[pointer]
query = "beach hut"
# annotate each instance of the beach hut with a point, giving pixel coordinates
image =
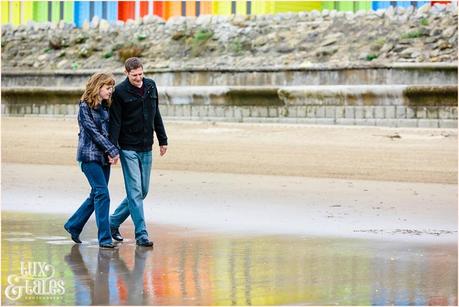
(126, 10)
(415, 4)
(174, 8)
(222, 7)
(86, 10)
(295, 6)
(349, 6)
(203, 8)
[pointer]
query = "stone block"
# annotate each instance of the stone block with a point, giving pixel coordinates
(273, 112)
(301, 111)
(410, 113)
(389, 112)
(187, 110)
(349, 112)
(330, 111)
(445, 113)
(379, 112)
(245, 111)
(50, 109)
(251, 120)
(194, 111)
(359, 112)
(259, 111)
(178, 110)
(320, 112)
(311, 111)
(70, 110)
(261, 120)
(163, 109)
(432, 112)
(238, 113)
(203, 111)
(339, 112)
(172, 110)
(219, 111)
(289, 111)
(400, 112)
(365, 122)
(369, 112)
(307, 121)
(62, 109)
(325, 121)
(448, 123)
(281, 111)
(421, 112)
(427, 123)
(289, 120)
(211, 112)
(345, 121)
(409, 123)
(229, 112)
(386, 122)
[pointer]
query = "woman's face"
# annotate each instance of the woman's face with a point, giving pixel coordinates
(105, 91)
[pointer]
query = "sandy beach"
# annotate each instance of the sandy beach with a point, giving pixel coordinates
(245, 214)
(345, 152)
(275, 179)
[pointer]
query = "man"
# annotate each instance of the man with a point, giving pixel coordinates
(134, 117)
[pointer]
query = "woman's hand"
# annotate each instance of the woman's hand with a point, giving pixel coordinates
(113, 160)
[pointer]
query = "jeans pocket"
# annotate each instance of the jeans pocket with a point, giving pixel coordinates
(128, 154)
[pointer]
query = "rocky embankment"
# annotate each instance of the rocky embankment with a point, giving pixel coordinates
(290, 40)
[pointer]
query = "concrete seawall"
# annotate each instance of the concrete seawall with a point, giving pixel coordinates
(401, 95)
(385, 105)
(404, 73)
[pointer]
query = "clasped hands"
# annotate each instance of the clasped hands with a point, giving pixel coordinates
(113, 160)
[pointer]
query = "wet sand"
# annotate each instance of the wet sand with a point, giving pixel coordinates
(254, 204)
(188, 268)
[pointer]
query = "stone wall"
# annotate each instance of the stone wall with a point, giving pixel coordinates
(292, 40)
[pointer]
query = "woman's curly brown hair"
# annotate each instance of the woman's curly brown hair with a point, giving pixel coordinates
(93, 86)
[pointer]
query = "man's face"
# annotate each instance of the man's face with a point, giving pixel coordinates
(135, 76)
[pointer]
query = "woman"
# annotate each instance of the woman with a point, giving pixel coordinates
(96, 153)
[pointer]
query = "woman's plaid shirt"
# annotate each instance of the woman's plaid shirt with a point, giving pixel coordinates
(93, 142)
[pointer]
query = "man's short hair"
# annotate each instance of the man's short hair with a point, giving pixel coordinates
(132, 63)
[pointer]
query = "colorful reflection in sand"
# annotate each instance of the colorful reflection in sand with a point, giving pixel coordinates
(187, 268)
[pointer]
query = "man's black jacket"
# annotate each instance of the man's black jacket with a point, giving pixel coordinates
(134, 118)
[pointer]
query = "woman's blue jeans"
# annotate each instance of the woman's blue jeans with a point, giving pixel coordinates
(136, 172)
(98, 201)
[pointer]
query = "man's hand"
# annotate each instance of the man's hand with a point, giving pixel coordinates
(113, 160)
(162, 150)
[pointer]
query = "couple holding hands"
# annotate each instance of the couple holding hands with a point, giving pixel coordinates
(117, 123)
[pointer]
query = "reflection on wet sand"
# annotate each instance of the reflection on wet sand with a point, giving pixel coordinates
(208, 269)
(111, 273)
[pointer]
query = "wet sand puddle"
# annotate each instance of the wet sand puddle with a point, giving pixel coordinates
(41, 266)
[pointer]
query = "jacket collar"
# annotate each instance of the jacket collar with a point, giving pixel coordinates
(131, 88)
